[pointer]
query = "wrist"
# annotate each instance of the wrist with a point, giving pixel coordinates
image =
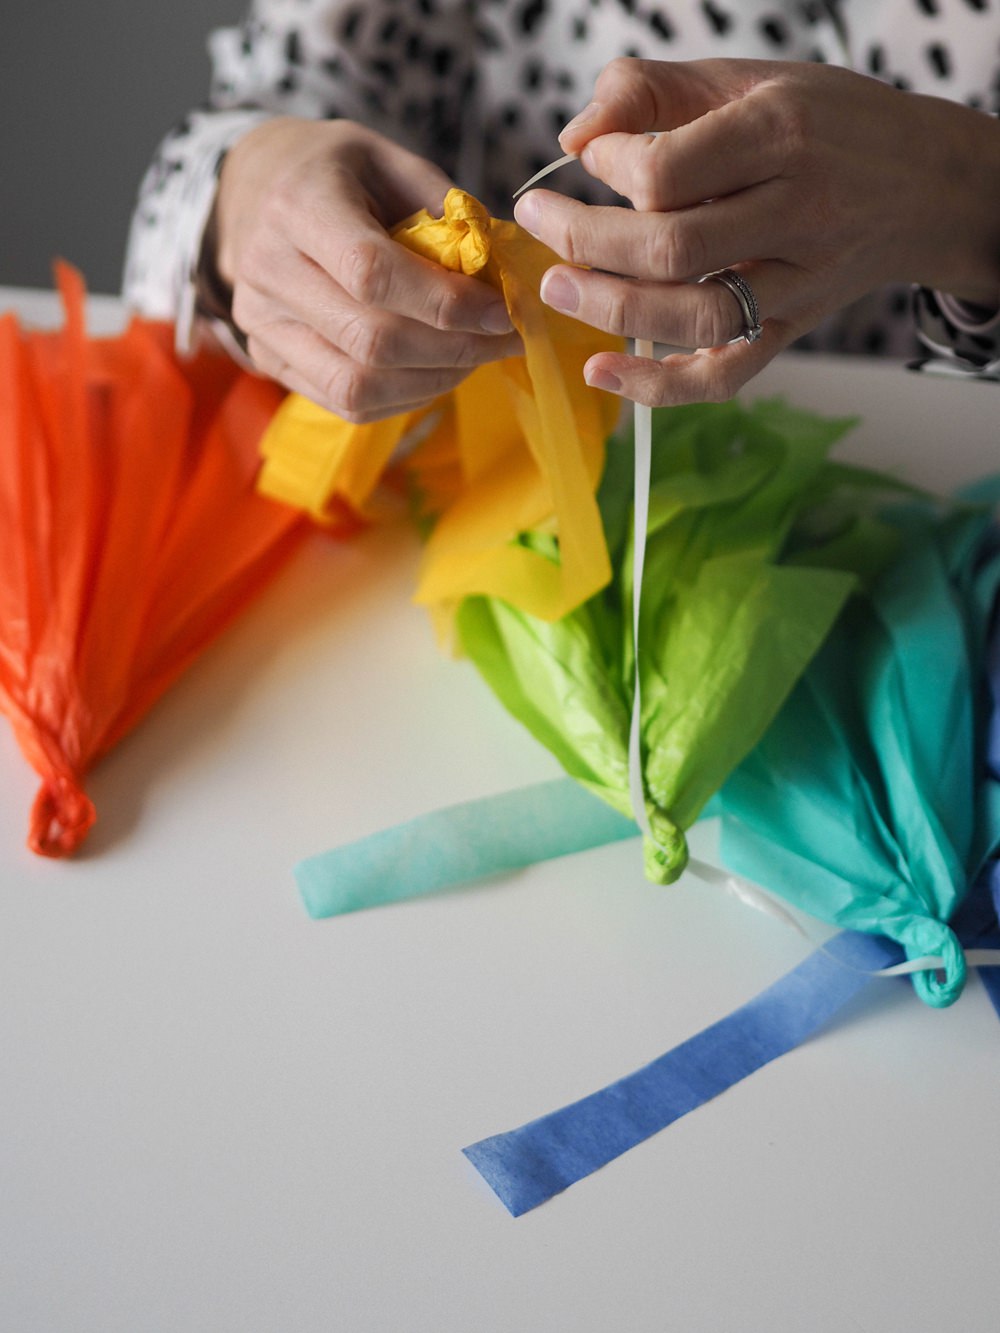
(960, 219)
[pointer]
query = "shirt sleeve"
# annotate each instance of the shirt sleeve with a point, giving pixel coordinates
(958, 339)
(387, 64)
(175, 199)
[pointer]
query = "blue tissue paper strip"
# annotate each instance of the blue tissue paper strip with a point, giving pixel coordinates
(990, 977)
(458, 845)
(977, 925)
(527, 1166)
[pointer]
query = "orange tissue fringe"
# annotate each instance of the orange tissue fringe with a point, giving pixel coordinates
(131, 533)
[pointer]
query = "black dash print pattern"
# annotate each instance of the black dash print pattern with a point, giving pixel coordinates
(939, 59)
(718, 20)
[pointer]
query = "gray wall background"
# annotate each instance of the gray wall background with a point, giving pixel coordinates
(87, 90)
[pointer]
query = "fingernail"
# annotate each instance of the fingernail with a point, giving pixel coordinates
(560, 291)
(601, 379)
(528, 213)
(581, 118)
(495, 319)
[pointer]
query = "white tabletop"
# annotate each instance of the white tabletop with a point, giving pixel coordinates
(217, 1116)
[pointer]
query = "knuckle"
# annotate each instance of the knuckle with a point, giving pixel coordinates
(655, 391)
(565, 235)
(365, 340)
(366, 272)
(715, 321)
(627, 79)
(660, 395)
(795, 128)
(787, 122)
(619, 69)
(722, 382)
(251, 261)
(282, 200)
(675, 252)
(620, 313)
(355, 418)
(476, 351)
(346, 389)
(268, 224)
(650, 191)
(463, 353)
(444, 309)
(616, 76)
(569, 243)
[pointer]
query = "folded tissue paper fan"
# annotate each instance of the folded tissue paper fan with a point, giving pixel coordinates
(130, 534)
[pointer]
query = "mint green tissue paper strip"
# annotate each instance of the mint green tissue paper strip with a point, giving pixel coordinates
(458, 845)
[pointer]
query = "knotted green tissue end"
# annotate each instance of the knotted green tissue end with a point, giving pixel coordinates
(665, 855)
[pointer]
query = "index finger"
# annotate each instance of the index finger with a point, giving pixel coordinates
(659, 247)
(721, 152)
(639, 96)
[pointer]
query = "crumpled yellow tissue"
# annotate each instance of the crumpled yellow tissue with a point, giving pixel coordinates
(517, 447)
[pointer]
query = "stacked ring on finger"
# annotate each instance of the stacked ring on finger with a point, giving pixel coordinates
(744, 294)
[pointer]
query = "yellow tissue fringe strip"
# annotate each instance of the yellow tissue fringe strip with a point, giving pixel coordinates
(518, 446)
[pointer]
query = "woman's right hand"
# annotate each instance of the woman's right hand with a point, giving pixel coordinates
(815, 184)
(329, 304)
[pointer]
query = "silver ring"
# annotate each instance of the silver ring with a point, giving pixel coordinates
(743, 292)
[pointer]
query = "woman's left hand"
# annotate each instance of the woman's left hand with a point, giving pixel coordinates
(814, 184)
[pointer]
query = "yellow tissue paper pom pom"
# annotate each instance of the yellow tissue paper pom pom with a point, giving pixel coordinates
(517, 447)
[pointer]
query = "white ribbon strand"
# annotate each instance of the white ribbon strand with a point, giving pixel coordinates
(643, 418)
(540, 175)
